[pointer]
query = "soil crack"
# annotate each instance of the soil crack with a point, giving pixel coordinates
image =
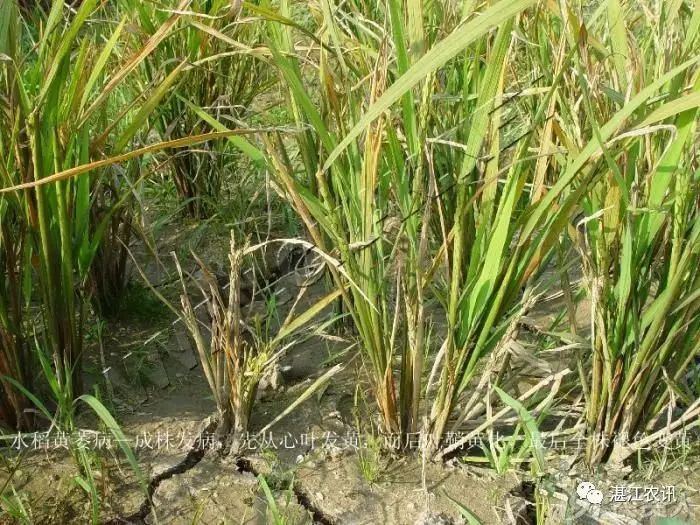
(193, 457)
(303, 499)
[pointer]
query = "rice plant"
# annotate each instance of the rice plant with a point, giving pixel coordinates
(370, 201)
(223, 74)
(58, 87)
(432, 177)
(234, 355)
(639, 236)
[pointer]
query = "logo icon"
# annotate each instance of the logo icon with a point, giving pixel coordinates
(586, 490)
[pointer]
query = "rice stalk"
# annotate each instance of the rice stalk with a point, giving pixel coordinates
(640, 239)
(224, 73)
(234, 355)
(58, 86)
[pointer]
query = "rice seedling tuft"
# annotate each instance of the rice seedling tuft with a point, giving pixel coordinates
(235, 355)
